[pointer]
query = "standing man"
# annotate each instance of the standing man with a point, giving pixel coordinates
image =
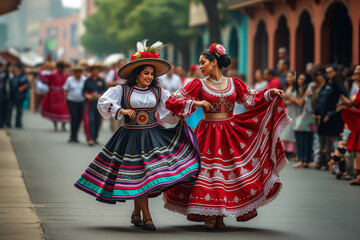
(18, 89)
(283, 67)
(94, 87)
(75, 100)
(170, 81)
(4, 96)
(273, 81)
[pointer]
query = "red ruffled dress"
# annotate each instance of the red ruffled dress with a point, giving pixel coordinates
(241, 155)
(352, 119)
(54, 104)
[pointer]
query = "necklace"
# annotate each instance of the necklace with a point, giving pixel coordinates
(218, 83)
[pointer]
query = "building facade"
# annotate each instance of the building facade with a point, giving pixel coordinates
(319, 31)
(60, 38)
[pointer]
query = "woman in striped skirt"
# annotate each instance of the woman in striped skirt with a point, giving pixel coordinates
(143, 158)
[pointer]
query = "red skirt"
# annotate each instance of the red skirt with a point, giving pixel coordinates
(241, 158)
(54, 106)
(352, 120)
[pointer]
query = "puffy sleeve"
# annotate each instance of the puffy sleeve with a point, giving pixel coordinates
(249, 97)
(166, 117)
(45, 77)
(109, 104)
(181, 101)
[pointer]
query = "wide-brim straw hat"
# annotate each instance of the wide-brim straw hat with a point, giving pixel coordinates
(95, 65)
(161, 67)
(83, 62)
(76, 68)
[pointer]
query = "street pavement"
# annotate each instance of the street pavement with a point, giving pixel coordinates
(311, 205)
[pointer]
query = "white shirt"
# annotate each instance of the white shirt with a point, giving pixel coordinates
(172, 84)
(109, 104)
(74, 88)
(261, 85)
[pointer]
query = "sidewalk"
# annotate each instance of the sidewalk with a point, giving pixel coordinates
(18, 219)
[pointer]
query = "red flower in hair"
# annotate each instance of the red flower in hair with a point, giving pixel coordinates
(212, 48)
(146, 55)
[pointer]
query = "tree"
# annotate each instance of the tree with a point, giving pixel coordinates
(212, 12)
(120, 24)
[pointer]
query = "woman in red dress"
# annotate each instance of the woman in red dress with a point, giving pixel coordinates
(352, 119)
(54, 104)
(241, 155)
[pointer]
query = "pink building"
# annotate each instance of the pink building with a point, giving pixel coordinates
(60, 38)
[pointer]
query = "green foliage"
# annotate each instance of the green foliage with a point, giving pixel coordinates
(118, 25)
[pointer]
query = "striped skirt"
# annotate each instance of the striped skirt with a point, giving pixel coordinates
(137, 162)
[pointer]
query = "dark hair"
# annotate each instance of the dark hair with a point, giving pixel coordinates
(19, 65)
(222, 61)
(295, 87)
(135, 73)
(307, 81)
(337, 79)
(270, 71)
(286, 61)
(60, 65)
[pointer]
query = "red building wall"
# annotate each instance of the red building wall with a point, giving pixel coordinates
(60, 33)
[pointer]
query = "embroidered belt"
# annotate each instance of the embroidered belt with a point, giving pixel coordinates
(217, 115)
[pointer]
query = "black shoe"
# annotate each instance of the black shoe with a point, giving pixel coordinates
(137, 223)
(150, 227)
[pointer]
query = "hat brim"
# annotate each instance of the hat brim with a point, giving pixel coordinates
(161, 67)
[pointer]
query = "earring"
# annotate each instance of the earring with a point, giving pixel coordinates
(137, 79)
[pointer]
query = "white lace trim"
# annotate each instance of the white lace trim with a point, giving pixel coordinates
(209, 211)
(225, 94)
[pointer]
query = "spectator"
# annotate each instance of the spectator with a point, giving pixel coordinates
(180, 71)
(273, 81)
(18, 89)
(283, 67)
(73, 91)
(304, 122)
(352, 119)
(288, 135)
(194, 73)
(170, 81)
(260, 83)
(283, 53)
(4, 91)
(112, 79)
(94, 87)
(309, 68)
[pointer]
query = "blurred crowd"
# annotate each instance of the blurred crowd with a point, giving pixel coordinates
(321, 135)
(314, 99)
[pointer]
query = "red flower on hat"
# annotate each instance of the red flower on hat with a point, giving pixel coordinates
(133, 57)
(146, 55)
(155, 55)
(212, 48)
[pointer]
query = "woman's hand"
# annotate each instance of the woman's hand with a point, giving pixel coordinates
(276, 92)
(204, 104)
(131, 113)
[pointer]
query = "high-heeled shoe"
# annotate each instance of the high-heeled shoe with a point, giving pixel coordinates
(220, 222)
(210, 222)
(150, 227)
(137, 223)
